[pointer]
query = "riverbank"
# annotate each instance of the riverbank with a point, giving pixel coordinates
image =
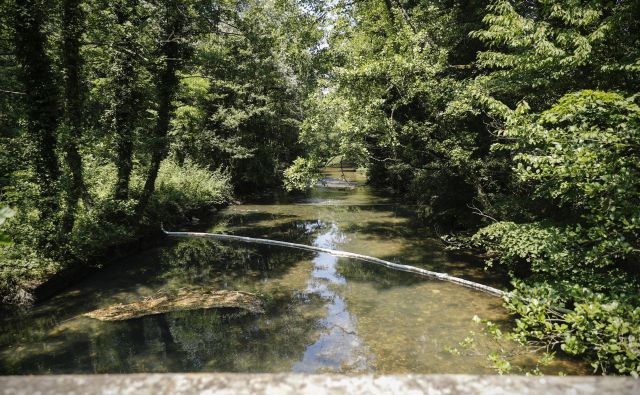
(41, 260)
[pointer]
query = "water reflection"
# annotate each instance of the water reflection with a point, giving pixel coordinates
(339, 348)
(322, 313)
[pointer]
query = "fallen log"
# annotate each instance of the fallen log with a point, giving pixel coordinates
(183, 300)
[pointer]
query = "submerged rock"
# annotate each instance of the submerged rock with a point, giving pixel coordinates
(183, 300)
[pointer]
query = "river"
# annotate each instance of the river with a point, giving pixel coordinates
(323, 313)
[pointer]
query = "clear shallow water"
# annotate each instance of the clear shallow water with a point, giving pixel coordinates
(323, 313)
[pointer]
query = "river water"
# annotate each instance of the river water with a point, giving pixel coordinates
(323, 313)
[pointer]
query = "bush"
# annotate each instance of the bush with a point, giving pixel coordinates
(302, 174)
(544, 251)
(181, 189)
(101, 227)
(582, 155)
(602, 328)
(21, 270)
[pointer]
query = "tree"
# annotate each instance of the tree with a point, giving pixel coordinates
(42, 101)
(173, 50)
(128, 101)
(392, 103)
(72, 28)
(541, 50)
(240, 103)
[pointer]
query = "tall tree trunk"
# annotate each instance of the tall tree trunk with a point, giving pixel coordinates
(125, 107)
(72, 62)
(167, 85)
(42, 101)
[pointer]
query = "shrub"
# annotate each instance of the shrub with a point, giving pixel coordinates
(101, 227)
(181, 189)
(544, 251)
(302, 174)
(583, 155)
(602, 328)
(21, 270)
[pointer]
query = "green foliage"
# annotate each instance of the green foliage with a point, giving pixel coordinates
(577, 162)
(532, 244)
(181, 189)
(582, 156)
(602, 328)
(583, 153)
(302, 174)
(517, 117)
(391, 104)
(22, 269)
(540, 50)
(102, 91)
(105, 225)
(101, 228)
(240, 106)
(451, 106)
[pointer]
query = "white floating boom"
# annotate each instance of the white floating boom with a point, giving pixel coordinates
(345, 254)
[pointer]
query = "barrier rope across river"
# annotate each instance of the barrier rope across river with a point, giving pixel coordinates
(345, 254)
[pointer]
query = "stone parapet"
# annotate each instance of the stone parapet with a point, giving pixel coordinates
(289, 383)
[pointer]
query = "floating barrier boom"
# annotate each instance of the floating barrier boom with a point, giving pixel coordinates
(345, 254)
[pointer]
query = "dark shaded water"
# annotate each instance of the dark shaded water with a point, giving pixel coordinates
(323, 314)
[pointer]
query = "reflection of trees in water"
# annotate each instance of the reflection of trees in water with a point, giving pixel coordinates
(121, 347)
(201, 261)
(207, 340)
(198, 340)
(109, 350)
(194, 340)
(291, 228)
(378, 276)
(214, 341)
(201, 253)
(182, 341)
(192, 332)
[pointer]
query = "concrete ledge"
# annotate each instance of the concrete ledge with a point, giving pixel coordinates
(258, 384)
